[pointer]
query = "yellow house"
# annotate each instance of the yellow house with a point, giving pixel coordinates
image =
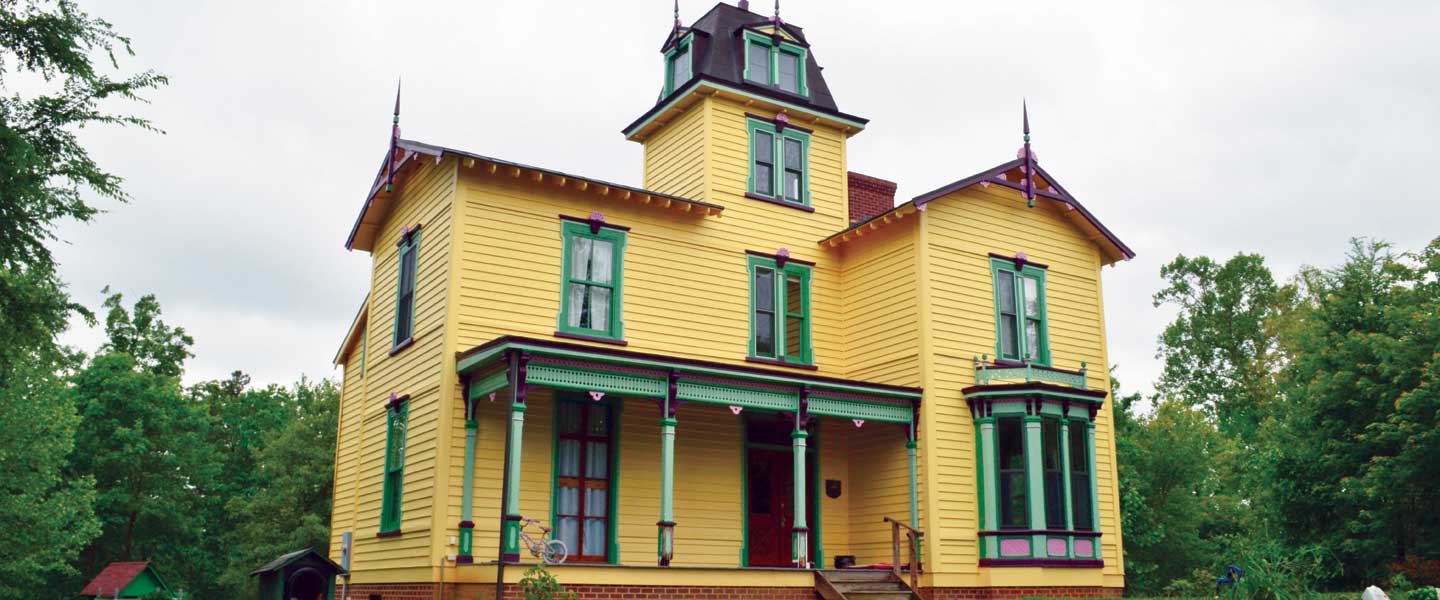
(753, 376)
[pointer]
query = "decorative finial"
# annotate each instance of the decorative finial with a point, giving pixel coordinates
(777, 12)
(394, 142)
(1029, 170)
(743, 5)
(677, 15)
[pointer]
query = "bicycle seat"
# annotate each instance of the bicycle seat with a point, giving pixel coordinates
(544, 529)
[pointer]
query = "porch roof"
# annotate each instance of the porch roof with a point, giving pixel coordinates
(579, 367)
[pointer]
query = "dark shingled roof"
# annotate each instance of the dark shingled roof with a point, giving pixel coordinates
(285, 559)
(719, 53)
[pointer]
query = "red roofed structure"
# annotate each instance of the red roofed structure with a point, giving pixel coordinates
(124, 580)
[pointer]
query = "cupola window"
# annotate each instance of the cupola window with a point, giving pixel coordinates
(679, 65)
(779, 163)
(774, 62)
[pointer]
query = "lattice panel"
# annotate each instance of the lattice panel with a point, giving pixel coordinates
(599, 381)
(988, 375)
(748, 398)
(855, 409)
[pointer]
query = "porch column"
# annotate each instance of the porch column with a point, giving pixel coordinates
(989, 486)
(1094, 478)
(800, 541)
(1035, 477)
(511, 546)
(1065, 467)
(467, 525)
(910, 448)
(667, 475)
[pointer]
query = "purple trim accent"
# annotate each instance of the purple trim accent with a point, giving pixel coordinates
(680, 362)
(405, 343)
(467, 525)
(591, 220)
(388, 534)
(396, 401)
(1085, 546)
(776, 257)
(590, 338)
(780, 363)
(1086, 534)
(1020, 261)
(776, 122)
(464, 559)
(802, 413)
(782, 256)
(793, 205)
(1015, 547)
(406, 234)
(510, 557)
(1042, 562)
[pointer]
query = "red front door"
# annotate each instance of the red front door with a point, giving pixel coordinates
(771, 496)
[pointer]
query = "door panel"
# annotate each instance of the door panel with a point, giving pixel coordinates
(770, 501)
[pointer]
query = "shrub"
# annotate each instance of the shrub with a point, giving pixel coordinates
(1425, 593)
(539, 584)
(1418, 570)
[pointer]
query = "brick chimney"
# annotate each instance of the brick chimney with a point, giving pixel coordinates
(869, 196)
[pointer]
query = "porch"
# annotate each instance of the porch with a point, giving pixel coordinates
(642, 460)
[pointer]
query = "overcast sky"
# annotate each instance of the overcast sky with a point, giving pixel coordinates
(1282, 128)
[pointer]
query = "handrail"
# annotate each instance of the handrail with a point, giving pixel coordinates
(912, 535)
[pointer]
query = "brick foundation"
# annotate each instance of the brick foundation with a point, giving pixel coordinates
(420, 591)
(1009, 593)
(431, 591)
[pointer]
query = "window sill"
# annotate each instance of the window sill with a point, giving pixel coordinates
(1077, 533)
(802, 207)
(388, 534)
(780, 363)
(590, 338)
(1070, 563)
(405, 343)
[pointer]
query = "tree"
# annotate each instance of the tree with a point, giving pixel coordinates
(43, 170)
(144, 443)
(1354, 462)
(296, 469)
(1219, 352)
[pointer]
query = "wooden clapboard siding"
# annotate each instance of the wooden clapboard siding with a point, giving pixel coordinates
(708, 487)
(347, 445)
(675, 156)
(418, 371)
(960, 232)
(879, 291)
(836, 513)
(879, 488)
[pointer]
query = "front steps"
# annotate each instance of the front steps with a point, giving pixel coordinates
(861, 584)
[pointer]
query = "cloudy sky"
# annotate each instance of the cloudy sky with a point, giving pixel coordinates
(1282, 128)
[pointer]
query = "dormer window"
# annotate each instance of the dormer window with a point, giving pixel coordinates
(772, 61)
(679, 65)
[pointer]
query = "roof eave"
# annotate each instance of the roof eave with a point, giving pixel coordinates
(846, 122)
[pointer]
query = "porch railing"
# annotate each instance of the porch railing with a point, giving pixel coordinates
(912, 536)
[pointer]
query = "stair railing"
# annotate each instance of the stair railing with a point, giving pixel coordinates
(912, 536)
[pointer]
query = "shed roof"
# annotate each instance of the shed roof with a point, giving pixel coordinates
(287, 559)
(113, 578)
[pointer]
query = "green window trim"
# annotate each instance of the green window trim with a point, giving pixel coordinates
(396, 421)
(1076, 486)
(784, 283)
(407, 266)
(682, 50)
(768, 44)
(614, 327)
(612, 547)
(1012, 288)
(779, 165)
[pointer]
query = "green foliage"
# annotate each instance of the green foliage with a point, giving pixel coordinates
(295, 469)
(539, 584)
(1426, 593)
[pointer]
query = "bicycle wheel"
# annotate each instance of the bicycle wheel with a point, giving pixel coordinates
(555, 552)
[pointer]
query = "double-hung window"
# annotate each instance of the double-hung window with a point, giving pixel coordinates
(392, 489)
(780, 311)
(1080, 491)
(779, 163)
(1020, 324)
(679, 65)
(583, 450)
(1014, 510)
(590, 299)
(408, 254)
(775, 62)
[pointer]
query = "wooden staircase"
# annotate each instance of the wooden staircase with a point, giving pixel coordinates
(861, 584)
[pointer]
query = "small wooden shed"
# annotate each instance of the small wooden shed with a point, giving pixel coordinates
(125, 580)
(300, 575)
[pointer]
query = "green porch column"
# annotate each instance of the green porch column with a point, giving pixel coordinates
(1094, 478)
(467, 525)
(989, 494)
(1065, 469)
(511, 545)
(800, 541)
(667, 490)
(1035, 481)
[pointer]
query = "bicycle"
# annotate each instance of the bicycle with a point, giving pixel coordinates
(552, 551)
